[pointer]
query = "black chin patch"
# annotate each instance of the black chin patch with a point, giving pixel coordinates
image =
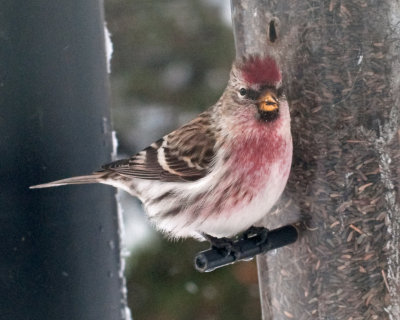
(269, 116)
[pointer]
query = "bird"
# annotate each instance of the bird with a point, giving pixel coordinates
(218, 175)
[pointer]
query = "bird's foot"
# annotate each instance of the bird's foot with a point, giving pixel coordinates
(260, 232)
(225, 245)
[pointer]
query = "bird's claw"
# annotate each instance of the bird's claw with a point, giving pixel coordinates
(229, 246)
(225, 245)
(260, 232)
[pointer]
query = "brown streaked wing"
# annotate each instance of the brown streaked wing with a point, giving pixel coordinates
(188, 153)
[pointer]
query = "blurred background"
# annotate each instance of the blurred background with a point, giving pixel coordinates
(171, 60)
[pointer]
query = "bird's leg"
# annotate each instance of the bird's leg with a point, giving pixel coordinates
(224, 244)
(253, 231)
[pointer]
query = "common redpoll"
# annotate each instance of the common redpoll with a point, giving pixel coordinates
(220, 173)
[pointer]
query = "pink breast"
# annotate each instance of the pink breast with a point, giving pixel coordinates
(259, 147)
(249, 168)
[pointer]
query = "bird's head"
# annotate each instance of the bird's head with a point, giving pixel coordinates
(255, 88)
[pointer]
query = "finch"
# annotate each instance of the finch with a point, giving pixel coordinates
(222, 172)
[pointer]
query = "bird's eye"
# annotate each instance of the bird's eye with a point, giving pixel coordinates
(242, 91)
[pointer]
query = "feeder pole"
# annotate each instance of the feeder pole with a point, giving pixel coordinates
(341, 67)
(59, 247)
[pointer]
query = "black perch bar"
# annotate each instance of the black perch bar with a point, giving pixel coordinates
(244, 249)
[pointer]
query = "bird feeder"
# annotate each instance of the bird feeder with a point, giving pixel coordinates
(341, 66)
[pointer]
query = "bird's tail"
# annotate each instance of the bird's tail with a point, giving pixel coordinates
(96, 177)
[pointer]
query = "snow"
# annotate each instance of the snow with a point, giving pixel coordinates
(108, 46)
(125, 311)
(114, 145)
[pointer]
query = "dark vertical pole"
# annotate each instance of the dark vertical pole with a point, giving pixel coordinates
(341, 67)
(59, 248)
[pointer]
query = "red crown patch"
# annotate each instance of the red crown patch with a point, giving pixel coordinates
(260, 70)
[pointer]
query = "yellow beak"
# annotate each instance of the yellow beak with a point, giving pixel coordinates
(268, 102)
